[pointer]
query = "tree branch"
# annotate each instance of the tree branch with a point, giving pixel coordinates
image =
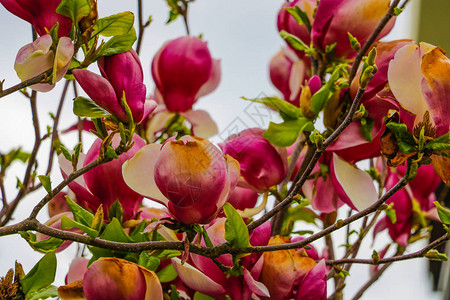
(26, 83)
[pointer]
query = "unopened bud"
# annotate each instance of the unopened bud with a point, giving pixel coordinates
(371, 57)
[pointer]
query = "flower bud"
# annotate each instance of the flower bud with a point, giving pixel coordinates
(121, 76)
(190, 176)
(37, 57)
(183, 71)
(262, 164)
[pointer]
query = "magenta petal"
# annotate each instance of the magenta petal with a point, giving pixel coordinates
(77, 268)
(314, 285)
(256, 287)
(106, 181)
(280, 71)
(321, 195)
(182, 67)
(124, 72)
(213, 81)
(243, 198)
(22, 9)
(101, 91)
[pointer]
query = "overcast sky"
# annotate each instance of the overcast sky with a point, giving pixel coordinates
(244, 36)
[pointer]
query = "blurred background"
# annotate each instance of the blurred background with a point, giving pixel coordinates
(244, 36)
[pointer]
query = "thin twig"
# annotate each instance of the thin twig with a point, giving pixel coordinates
(26, 83)
(141, 27)
(371, 39)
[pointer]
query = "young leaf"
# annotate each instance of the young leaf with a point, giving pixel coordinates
(294, 41)
(118, 24)
(46, 183)
(114, 232)
(236, 233)
(80, 214)
(286, 133)
(200, 296)
(44, 246)
(74, 9)
(50, 291)
(167, 274)
(287, 109)
(405, 140)
(321, 97)
(444, 214)
(111, 153)
(97, 223)
(41, 275)
(116, 211)
(118, 44)
(149, 262)
(68, 223)
(439, 143)
(84, 107)
(300, 16)
(366, 128)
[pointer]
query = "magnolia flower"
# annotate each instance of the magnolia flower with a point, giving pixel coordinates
(203, 275)
(189, 176)
(183, 71)
(262, 164)
(242, 198)
(293, 274)
(40, 13)
(122, 76)
(334, 19)
(104, 184)
(37, 57)
(111, 278)
(419, 78)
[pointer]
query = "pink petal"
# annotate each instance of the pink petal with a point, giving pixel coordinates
(202, 124)
(101, 91)
(196, 280)
(354, 186)
(256, 287)
(139, 172)
(280, 71)
(63, 56)
(314, 285)
(213, 81)
(77, 268)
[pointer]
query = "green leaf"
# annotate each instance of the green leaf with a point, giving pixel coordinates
(68, 223)
(80, 214)
(354, 42)
(434, 254)
(149, 262)
(439, 143)
(391, 214)
(118, 44)
(50, 291)
(114, 232)
(405, 140)
(41, 275)
(366, 128)
(111, 153)
(236, 233)
(46, 183)
(444, 214)
(300, 16)
(84, 107)
(288, 110)
(118, 24)
(74, 9)
(200, 296)
(60, 148)
(397, 11)
(116, 211)
(286, 133)
(48, 245)
(294, 41)
(321, 97)
(173, 15)
(167, 274)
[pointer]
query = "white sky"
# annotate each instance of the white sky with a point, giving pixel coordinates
(244, 36)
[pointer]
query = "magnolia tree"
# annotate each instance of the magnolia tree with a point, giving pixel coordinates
(233, 215)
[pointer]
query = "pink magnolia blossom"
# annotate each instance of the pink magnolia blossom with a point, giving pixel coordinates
(287, 22)
(37, 57)
(104, 184)
(189, 176)
(121, 76)
(262, 164)
(242, 198)
(183, 71)
(203, 275)
(293, 274)
(419, 77)
(111, 278)
(40, 13)
(335, 18)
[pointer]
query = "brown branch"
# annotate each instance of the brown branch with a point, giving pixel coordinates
(26, 83)
(141, 27)
(371, 39)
